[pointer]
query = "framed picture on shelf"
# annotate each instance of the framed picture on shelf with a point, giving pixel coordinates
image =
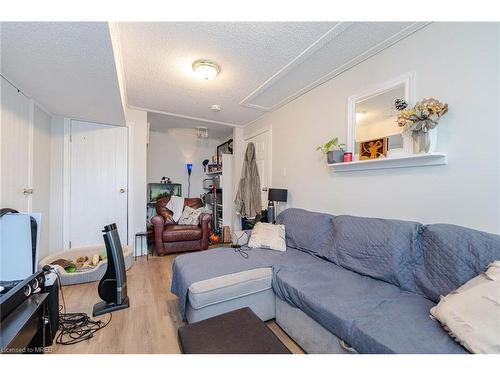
(224, 148)
(376, 148)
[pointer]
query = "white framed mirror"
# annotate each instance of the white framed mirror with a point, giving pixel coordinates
(372, 118)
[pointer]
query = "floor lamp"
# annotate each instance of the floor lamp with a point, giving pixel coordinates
(189, 169)
(275, 195)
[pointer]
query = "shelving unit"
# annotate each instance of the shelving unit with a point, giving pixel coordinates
(412, 160)
(223, 199)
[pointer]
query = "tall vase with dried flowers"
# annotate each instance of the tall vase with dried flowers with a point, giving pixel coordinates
(420, 120)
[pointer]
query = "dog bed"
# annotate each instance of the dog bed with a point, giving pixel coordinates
(86, 276)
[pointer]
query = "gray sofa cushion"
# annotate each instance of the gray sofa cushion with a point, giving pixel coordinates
(331, 295)
(311, 232)
(370, 315)
(380, 248)
(452, 255)
(402, 325)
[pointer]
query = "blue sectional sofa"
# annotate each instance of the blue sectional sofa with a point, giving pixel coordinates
(345, 284)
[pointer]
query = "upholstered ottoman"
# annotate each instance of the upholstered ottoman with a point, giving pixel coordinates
(233, 291)
(236, 332)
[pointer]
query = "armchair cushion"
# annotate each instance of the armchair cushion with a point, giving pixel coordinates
(174, 233)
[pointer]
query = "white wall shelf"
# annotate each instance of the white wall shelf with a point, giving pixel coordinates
(413, 160)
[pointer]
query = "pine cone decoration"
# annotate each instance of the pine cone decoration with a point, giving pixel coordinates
(400, 104)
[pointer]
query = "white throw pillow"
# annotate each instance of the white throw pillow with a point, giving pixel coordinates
(268, 236)
(190, 216)
(471, 314)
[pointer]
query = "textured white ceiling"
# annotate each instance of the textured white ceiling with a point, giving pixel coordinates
(353, 43)
(68, 67)
(264, 65)
(157, 60)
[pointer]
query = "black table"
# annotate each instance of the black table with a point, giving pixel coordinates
(143, 237)
(236, 332)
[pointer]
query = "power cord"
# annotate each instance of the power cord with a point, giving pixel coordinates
(75, 327)
(242, 250)
(78, 327)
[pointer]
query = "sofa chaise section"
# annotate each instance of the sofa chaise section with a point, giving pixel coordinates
(215, 296)
(212, 274)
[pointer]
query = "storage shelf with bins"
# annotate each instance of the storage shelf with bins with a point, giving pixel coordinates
(411, 160)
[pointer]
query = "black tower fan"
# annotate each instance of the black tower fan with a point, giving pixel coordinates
(113, 286)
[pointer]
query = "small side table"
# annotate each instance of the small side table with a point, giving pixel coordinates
(143, 238)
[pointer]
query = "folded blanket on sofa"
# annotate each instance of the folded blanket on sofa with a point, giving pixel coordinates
(176, 205)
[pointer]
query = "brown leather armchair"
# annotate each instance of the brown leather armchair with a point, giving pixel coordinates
(173, 238)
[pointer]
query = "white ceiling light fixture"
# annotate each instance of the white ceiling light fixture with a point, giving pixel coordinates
(206, 69)
(202, 132)
(216, 107)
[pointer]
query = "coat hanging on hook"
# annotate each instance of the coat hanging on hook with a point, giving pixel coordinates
(248, 201)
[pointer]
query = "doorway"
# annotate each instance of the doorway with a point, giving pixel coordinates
(97, 182)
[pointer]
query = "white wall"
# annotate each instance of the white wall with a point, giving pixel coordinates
(137, 155)
(457, 63)
(238, 154)
(56, 184)
(170, 151)
(41, 174)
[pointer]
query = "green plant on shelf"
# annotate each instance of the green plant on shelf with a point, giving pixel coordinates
(331, 145)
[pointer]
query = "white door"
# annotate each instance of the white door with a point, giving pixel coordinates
(98, 182)
(263, 159)
(15, 155)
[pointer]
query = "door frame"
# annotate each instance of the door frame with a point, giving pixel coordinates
(66, 190)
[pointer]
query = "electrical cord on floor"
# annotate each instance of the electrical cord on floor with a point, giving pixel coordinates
(76, 327)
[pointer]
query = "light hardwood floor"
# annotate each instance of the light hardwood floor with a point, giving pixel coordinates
(150, 324)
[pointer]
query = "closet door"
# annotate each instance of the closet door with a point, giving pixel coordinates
(98, 182)
(15, 153)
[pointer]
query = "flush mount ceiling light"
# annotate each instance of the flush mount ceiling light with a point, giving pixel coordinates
(206, 69)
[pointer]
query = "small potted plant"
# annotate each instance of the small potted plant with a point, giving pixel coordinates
(333, 150)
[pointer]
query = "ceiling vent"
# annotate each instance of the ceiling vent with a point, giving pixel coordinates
(202, 132)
